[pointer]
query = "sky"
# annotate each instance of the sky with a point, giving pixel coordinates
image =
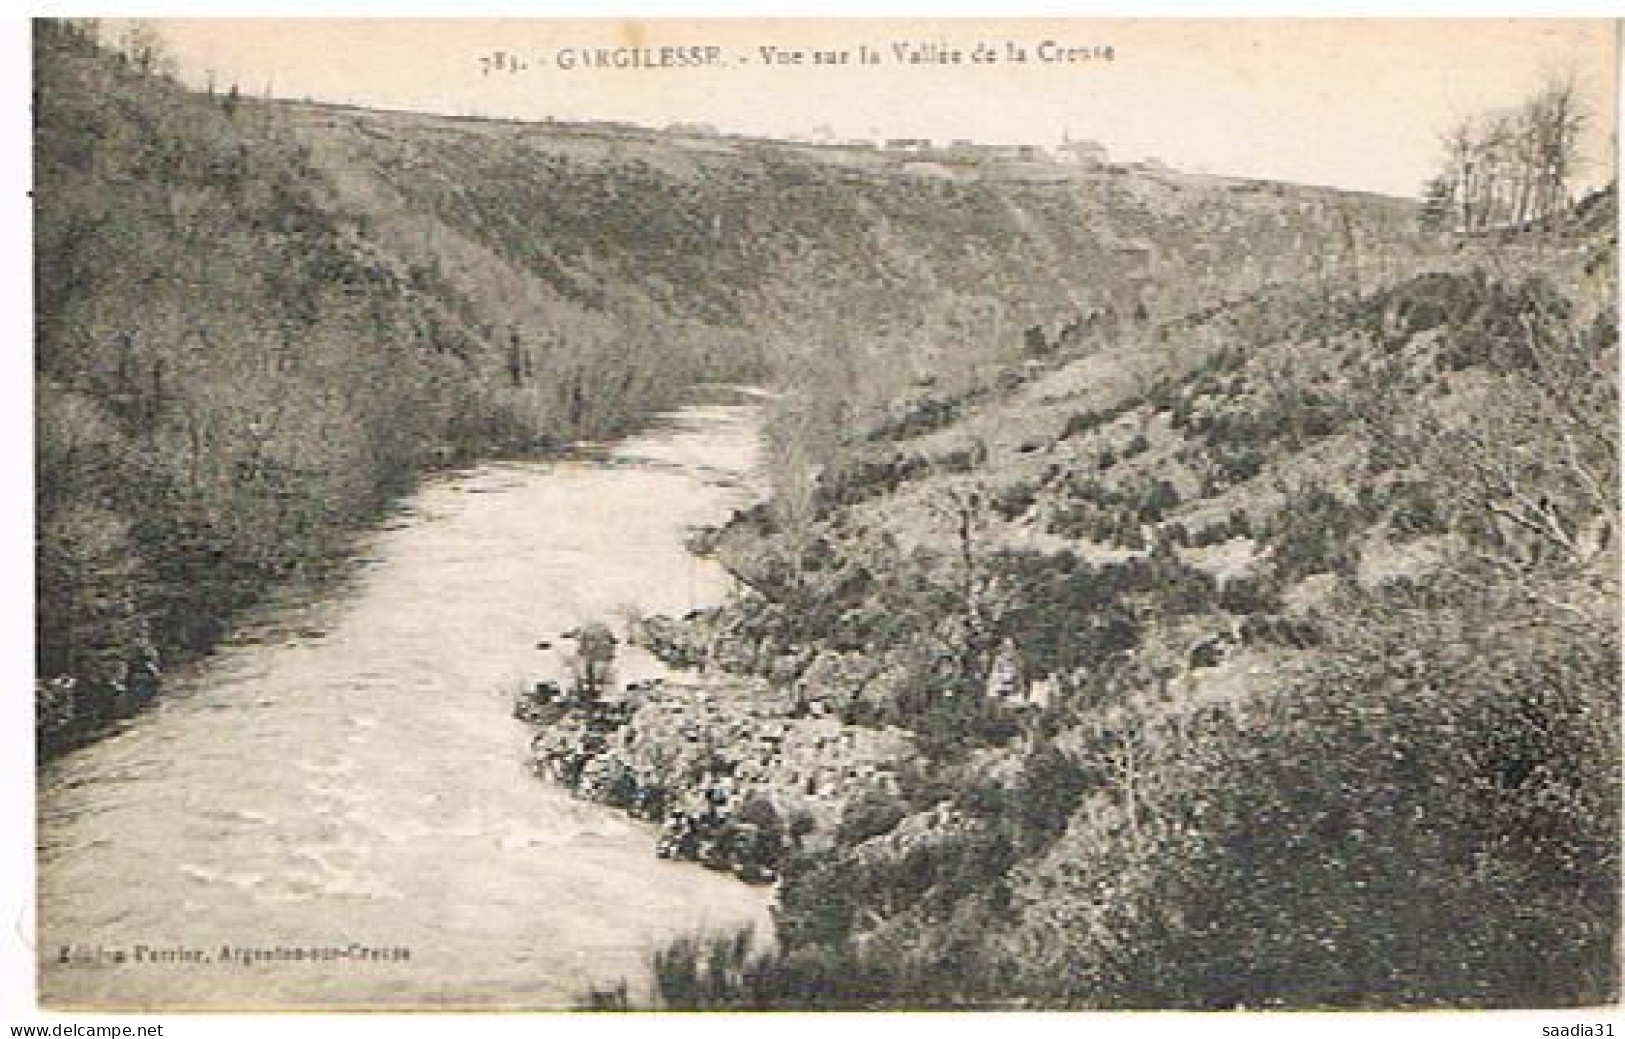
(1352, 103)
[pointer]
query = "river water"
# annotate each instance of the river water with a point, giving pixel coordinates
(347, 775)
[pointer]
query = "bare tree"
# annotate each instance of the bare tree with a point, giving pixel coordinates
(143, 47)
(966, 511)
(1461, 152)
(1515, 167)
(1556, 117)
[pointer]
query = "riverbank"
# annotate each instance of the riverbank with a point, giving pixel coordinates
(71, 714)
(360, 781)
(739, 775)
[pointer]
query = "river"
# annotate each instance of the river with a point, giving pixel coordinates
(346, 775)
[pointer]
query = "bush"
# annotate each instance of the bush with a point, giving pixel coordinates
(1312, 533)
(917, 419)
(720, 972)
(1430, 819)
(1013, 500)
(1248, 595)
(1415, 511)
(873, 812)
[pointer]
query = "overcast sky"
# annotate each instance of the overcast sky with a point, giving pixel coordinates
(1353, 103)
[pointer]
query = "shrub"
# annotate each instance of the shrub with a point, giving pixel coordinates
(873, 812)
(1247, 595)
(1415, 511)
(1435, 824)
(1428, 819)
(1312, 533)
(1013, 500)
(709, 973)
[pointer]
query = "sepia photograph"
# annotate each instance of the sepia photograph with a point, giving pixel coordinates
(824, 514)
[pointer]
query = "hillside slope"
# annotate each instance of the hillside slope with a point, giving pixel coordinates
(1268, 658)
(862, 267)
(259, 321)
(732, 230)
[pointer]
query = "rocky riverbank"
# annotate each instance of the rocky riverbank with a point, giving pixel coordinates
(738, 774)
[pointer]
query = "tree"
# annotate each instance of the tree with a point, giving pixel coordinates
(592, 664)
(1438, 204)
(143, 47)
(965, 511)
(1555, 118)
(1513, 167)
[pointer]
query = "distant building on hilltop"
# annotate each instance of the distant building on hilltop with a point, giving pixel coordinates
(962, 148)
(1083, 153)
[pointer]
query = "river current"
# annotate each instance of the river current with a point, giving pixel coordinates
(345, 777)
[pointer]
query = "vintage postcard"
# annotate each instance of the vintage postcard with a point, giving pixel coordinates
(844, 514)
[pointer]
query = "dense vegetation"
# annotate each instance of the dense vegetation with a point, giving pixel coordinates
(236, 369)
(1336, 727)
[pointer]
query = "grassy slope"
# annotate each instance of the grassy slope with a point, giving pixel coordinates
(1393, 784)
